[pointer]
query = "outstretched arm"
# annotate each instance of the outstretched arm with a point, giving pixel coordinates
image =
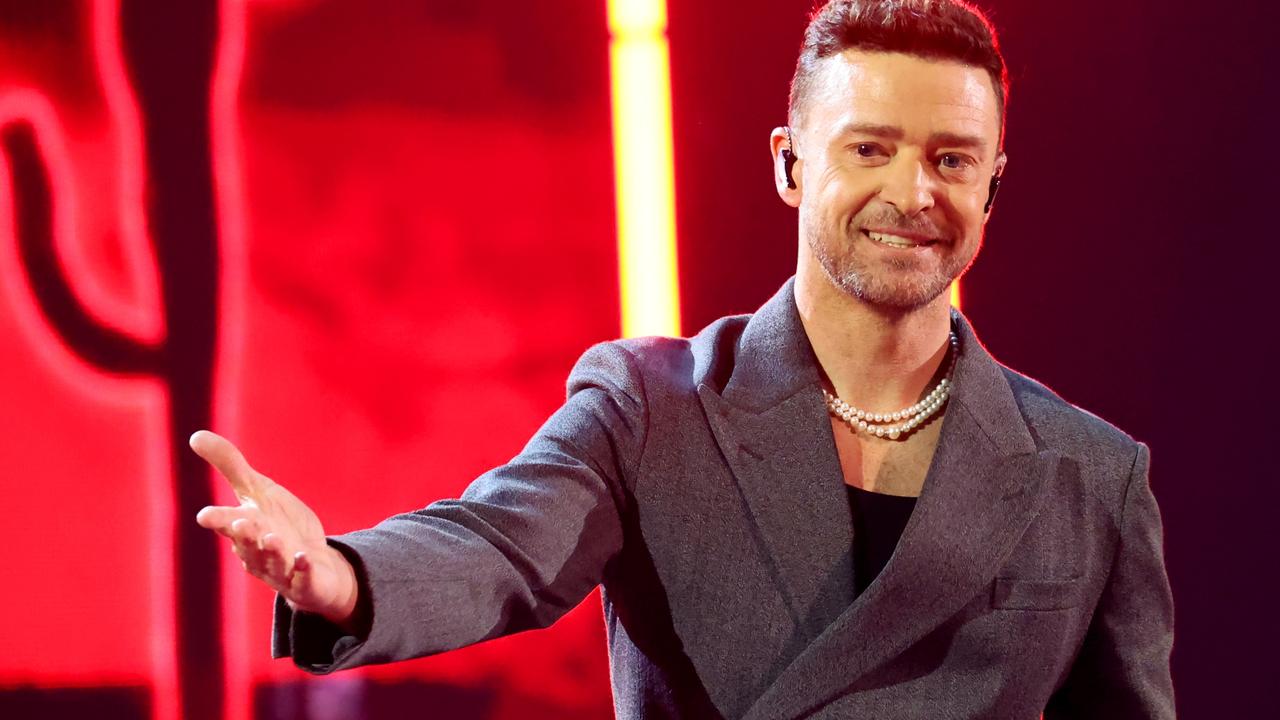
(521, 547)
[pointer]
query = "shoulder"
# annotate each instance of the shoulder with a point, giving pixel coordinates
(1096, 446)
(662, 366)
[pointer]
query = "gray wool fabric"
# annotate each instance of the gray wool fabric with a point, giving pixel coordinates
(697, 481)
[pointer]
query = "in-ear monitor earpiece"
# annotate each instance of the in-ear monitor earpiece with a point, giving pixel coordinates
(789, 161)
(991, 193)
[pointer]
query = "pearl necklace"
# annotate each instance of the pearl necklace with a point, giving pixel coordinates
(915, 416)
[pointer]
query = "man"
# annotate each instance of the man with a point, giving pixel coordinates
(840, 506)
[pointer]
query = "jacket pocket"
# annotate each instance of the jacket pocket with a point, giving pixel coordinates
(1016, 594)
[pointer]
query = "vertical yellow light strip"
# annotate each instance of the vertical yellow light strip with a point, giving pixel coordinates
(955, 294)
(644, 171)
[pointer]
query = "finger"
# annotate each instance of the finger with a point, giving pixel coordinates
(271, 565)
(268, 565)
(247, 531)
(271, 543)
(219, 518)
(226, 458)
(273, 558)
(300, 574)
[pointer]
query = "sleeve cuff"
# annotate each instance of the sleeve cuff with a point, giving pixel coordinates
(315, 644)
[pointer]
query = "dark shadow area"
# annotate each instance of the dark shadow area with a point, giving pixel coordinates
(100, 703)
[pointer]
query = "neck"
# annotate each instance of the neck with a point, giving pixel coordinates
(878, 359)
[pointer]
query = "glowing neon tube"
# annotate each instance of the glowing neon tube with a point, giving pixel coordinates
(640, 87)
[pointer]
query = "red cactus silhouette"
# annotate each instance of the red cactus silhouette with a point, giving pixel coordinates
(168, 52)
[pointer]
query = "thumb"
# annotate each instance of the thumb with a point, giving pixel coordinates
(226, 458)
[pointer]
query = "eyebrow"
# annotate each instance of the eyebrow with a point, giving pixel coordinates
(891, 132)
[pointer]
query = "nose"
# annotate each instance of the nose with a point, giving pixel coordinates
(908, 186)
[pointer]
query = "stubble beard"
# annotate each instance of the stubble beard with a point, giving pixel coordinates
(892, 284)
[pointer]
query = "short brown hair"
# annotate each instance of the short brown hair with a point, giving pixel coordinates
(930, 29)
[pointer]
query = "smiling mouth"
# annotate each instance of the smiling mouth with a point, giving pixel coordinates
(897, 241)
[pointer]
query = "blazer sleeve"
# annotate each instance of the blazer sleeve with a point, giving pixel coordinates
(524, 544)
(1122, 670)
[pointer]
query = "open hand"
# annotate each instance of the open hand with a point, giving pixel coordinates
(278, 538)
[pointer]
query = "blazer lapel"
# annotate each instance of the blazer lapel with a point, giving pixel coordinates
(772, 428)
(981, 492)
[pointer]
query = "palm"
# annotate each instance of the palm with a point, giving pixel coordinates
(277, 537)
(289, 517)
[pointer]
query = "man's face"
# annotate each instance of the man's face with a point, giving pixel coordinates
(897, 153)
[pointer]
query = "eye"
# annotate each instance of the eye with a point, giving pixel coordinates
(955, 161)
(867, 150)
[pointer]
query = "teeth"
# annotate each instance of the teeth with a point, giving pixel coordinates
(893, 240)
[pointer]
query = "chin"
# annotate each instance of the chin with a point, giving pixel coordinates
(898, 294)
(903, 301)
(899, 284)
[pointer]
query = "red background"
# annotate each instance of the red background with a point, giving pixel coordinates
(425, 245)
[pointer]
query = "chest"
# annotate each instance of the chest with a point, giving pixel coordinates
(894, 467)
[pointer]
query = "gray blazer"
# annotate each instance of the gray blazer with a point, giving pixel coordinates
(697, 481)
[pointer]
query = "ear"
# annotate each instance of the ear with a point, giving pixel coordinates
(778, 142)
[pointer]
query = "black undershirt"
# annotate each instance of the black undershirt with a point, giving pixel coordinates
(878, 522)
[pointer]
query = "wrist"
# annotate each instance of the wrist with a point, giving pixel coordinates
(346, 611)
